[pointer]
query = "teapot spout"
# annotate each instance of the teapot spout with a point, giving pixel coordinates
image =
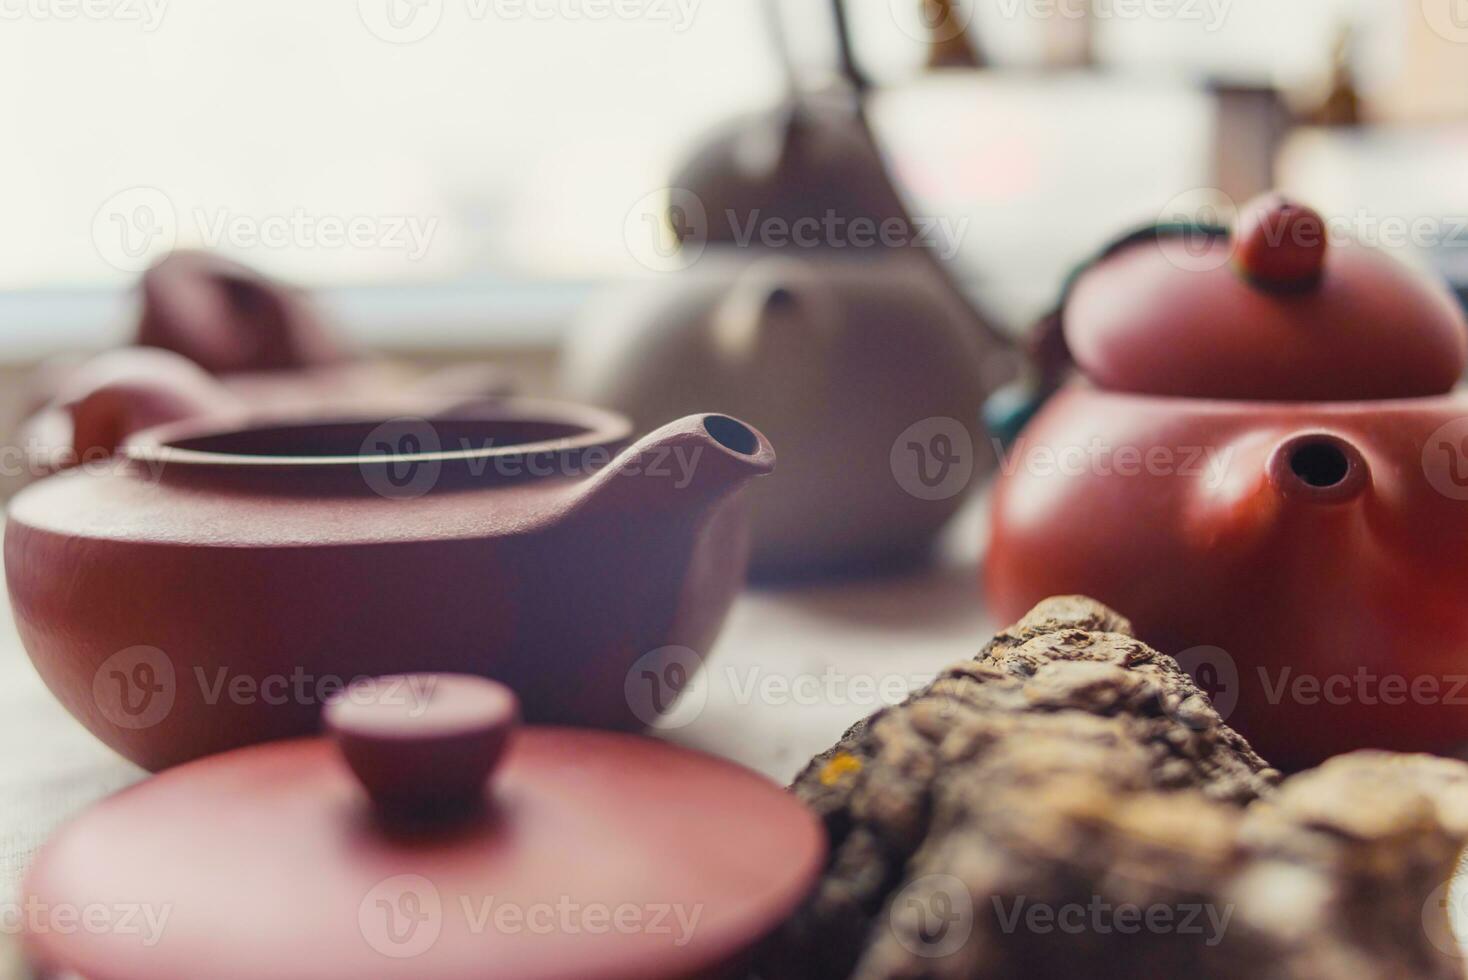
(681, 469)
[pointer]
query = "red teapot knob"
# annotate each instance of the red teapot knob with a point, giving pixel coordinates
(1280, 244)
(424, 745)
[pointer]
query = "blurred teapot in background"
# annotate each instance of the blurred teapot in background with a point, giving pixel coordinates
(849, 346)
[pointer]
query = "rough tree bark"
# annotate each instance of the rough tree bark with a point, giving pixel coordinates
(1068, 804)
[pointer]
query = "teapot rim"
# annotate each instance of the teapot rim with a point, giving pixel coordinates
(178, 442)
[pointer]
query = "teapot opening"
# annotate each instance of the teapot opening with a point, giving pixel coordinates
(732, 434)
(512, 427)
(404, 437)
(1320, 464)
(1320, 467)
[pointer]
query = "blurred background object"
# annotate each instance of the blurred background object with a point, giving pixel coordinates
(462, 183)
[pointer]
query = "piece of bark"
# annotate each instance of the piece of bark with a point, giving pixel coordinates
(1007, 820)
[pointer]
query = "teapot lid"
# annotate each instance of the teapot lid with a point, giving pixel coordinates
(591, 854)
(1277, 310)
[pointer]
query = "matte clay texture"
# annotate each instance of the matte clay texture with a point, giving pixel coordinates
(272, 863)
(1071, 765)
(242, 561)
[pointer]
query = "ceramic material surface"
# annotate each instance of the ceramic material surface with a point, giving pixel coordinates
(1300, 555)
(223, 337)
(589, 855)
(209, 588)
(836, 358)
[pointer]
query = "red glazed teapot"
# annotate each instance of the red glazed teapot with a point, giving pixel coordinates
(1263, 461)
(212, 585)
(437, 839)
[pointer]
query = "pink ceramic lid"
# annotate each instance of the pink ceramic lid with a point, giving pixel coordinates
(587, 855)
(1282, 309)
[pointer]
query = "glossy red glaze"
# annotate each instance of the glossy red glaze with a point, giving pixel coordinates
(178, 602)
(423, 743)
(1174, 316)
(595, 856)
(1280, 244)
(1314, 541)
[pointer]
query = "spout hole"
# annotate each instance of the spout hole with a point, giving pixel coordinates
(731, 434)
(1319, 467)
(1320, 464)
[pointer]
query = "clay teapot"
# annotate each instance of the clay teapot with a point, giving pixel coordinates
(430, 837)
(843, 361)
(201, 592)
(1261, 459)
(228, 336)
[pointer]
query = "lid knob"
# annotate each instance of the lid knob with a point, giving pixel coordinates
(1280, 244)
(424, 745)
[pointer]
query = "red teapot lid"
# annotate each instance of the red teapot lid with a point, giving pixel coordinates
(1277, 310)
(383, 852)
